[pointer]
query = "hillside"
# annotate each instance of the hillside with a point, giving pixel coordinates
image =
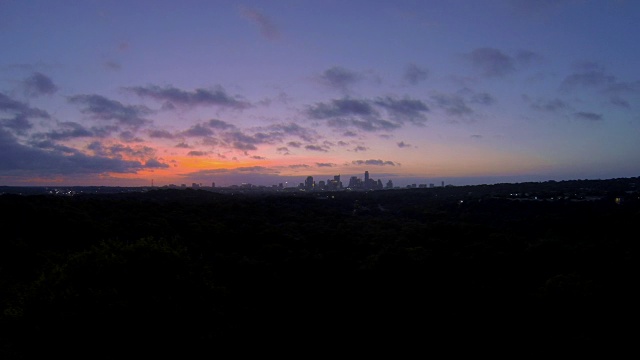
(196, 272)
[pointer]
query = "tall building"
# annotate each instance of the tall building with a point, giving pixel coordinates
(308, 184)
(354, 182)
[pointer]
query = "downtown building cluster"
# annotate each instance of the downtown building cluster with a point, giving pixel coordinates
(355, 183)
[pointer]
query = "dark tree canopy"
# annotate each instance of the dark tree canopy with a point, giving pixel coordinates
(189, 272)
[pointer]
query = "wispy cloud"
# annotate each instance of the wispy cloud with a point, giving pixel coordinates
(267, 27)
(374, 162)
(414, 74)
(492, 62)
(553, 105)
(588, 116)
(588, 75)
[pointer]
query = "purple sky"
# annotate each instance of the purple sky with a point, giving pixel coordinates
(121, 93)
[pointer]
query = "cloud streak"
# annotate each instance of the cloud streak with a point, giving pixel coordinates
(174, 97)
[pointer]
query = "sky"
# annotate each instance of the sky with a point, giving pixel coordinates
(139, 93)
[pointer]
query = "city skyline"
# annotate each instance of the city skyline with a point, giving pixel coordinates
(130, 93)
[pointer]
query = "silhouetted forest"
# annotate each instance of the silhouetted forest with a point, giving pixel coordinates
(194, 272)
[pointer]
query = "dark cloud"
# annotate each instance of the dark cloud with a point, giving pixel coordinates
(176, 97)
(129, 136)
(112, 65)
(369, 125)
(19, 114)
(414, 74)
(553, 105)
(588, 116)
(160, 134)
(39, 84)
(267, 28)
(527, 57)
(339, 78)
(99, 107)
(360, 114)
(328, 165)
(69, 130)
(373, 162)
(360, 148)
(402, 144)
(365, 114)
(18, 160)
(491, 62)
(583, 66)
(246, 140)
(240, 141)
(210, 141)
(20, 109)
(342, 108)
(589, 78)
(198, 130)
(483, 98)
(19, 123)
(120, 150)
(299, 166)
(452, 104)
(137, 151)
(624, 88)
(104, 131)
(316, 148)
(292, 129)
(219, 124)
(155, 164)
(253, 169)
(51, 145)
(196, 153)
(8, 104)
(404, 109)
(618, 101)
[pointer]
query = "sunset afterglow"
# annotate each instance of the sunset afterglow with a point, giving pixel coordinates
(126, 93)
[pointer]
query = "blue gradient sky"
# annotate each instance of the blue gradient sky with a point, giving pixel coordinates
(119, 93)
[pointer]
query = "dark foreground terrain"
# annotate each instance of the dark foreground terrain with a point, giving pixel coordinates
(196, 274)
